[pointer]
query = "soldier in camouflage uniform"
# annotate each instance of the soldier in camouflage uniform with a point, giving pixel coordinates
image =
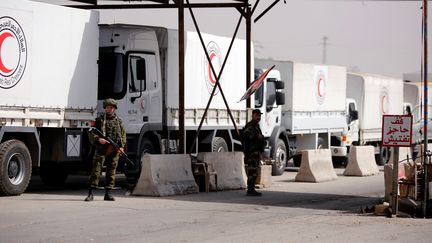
(254, 143)
(111, 126)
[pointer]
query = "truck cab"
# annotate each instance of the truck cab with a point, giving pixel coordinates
(269, 98)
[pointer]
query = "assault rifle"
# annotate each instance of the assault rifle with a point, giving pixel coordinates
(98, 133)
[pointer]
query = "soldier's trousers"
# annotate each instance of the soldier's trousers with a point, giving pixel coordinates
(251, 167)
(111, 161)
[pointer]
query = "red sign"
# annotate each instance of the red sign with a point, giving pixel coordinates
(397, 130)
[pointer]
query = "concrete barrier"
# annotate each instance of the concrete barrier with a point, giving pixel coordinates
(361, 162)
(229, 167)
(316, 166)
(264, 176)
(165, 175)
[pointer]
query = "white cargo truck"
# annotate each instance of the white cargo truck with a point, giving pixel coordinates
(305, 110)
(369, 97)
(57, 64)
(413, 104)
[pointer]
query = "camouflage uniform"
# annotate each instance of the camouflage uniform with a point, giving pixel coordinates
(253, 147)
(111, 126)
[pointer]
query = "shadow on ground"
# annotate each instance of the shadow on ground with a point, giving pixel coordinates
(77, 185)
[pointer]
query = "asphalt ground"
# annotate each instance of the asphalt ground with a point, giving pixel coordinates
(288, 211)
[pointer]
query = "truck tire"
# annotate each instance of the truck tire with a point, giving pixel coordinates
(383, 157)
(132, 175)
(297, 160)
(147, 147)
(280, 158)
(53, 174)
(15, 168)
(219, 145)
(321, 144)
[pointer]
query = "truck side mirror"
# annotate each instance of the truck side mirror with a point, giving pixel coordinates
(408, 110)
(280, 98)
(280, 84)
(354, 115)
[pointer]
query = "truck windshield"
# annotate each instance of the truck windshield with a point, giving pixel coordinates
(111, 83)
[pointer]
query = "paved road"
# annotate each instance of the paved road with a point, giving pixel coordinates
(288, 212)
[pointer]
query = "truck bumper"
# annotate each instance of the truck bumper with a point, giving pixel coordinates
(338, 151)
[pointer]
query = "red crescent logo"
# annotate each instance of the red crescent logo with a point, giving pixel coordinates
(3, 37)
(382, 104)
(319, 87)
(210, 73)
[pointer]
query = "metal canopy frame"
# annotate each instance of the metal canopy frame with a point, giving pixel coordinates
(243, 6)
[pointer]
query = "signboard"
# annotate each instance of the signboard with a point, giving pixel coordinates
(397, 130)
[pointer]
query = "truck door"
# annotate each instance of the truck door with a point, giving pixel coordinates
(144, 100)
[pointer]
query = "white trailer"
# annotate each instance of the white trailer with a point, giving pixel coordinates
(372, 96)
(313, 111)
(57, 64)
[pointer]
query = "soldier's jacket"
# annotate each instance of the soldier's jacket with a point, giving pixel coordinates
(253, 143)
(111, 126)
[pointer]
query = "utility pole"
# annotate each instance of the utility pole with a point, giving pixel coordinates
(426, 159)
(324, 43)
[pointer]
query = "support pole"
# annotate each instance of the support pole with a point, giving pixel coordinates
(181, 110)
(425, 107)
(248, 53)
(395, 179)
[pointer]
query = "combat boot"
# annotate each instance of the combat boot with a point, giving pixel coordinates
(108, 196)
(253, 193)
(89, 196)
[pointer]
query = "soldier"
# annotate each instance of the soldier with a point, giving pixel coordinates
(254, 143)
(111, 126)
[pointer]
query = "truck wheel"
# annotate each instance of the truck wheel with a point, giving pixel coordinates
(297, 160)
(15, 168)
(383, 157)
(219, 145)
(53, 173)
(280, 158)
(132, 175)
(147, 147)
(321, 144)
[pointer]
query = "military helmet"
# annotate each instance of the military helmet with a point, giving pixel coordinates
(111, 102)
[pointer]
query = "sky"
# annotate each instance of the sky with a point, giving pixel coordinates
(380, 37)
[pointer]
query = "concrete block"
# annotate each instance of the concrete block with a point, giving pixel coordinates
(264, 176)
(316, 166)
(229, 167)
(361, 162)
(165, 175)
(381, 209)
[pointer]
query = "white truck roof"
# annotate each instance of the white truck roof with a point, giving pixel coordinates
(61, 55)
(50, 58)
(199, 80)
(375, 95)
(310, 87)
